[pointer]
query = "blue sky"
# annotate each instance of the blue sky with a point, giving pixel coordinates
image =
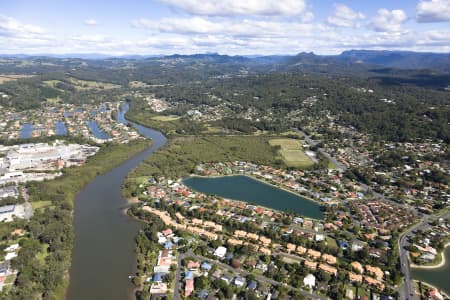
(227, 26)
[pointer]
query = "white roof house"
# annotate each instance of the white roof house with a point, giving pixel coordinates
(220, 252)
(10, 255)
(309, 281)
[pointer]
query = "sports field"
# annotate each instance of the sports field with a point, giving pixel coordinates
(291, 151)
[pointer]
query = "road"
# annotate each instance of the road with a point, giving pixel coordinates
(28, 209)
(244, 273)
(312, 143)
(176, 289)
(408, 290)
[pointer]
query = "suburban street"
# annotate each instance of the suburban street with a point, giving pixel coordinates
(241, 272)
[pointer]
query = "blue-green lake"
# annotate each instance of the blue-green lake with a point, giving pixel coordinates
(255, 192)
(439, 277)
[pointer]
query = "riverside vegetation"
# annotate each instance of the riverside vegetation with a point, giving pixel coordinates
(46, 249)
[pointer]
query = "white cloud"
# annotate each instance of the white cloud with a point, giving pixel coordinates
(11, 27)
(388, 20)
(247, 7)
(344, 16)
(230, 27)
(433, 11)
(90, 22)
(90, 38)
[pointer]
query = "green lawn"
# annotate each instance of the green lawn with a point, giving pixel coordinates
(291, 151)
(40, 204)
(10, 279)
(331, 242)
(165, 118)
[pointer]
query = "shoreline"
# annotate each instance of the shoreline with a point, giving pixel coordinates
(436, 266)
(429, 285)
(263, 182)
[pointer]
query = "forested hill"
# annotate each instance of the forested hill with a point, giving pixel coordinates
(399, 59)
(392, 103)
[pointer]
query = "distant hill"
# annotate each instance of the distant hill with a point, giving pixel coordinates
(399, 59)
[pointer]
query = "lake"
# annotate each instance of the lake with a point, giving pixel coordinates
(253, 191)
(440, 277)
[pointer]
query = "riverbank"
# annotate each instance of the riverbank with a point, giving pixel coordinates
(436, 266)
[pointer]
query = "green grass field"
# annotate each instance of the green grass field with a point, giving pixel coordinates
(40, 204)
(165, 118)
(82, 84)
(137, 84)
(292, 153)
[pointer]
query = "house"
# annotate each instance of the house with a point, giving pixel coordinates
(434, 294)
(10, 255)
(355, 277)
(265, 251)
(12, 248)
(167, 232)
(234, 242)
(374, 282)
(314, 254)
(206, 266)
(264, 240)
(158, 288)
(290, 247)
(375, 271)
(357, 267)
(252, 236)
(320, 237)
(349, 294)
(252, 285)
(226, 278)
(301, 250)
(193, 265)
(343, 244)
(168, 245)
(330, 259)
(240, 233)
(7, 212)
(188, 287)
(164, 258)
(310, 264)
(157, 277)
(9, 191)
(239, 281)
(189, 275)
(328, 269)
(220, 252)
(309, 281)
(203, 294)
(262, 267)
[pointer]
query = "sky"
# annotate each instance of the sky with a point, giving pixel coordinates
(234, 27)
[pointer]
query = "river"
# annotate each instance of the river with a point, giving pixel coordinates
(253, 191)
(103, 255)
